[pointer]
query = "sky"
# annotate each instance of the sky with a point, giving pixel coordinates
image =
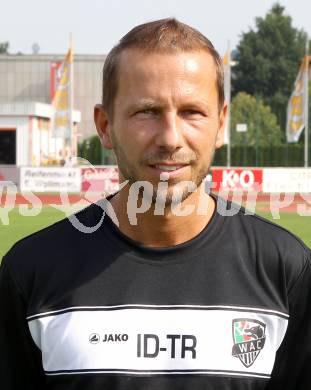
(96, 25)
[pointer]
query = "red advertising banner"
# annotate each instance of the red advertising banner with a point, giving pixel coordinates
(247, 179)
(100, 179)
(54, 77)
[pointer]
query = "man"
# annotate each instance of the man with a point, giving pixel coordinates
(169, 292)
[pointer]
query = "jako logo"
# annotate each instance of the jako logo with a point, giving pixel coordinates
(115, 337)
(94, 338)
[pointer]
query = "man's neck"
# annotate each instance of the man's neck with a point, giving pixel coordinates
(170, 228)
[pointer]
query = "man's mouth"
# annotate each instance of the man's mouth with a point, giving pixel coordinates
(172, 171)
(168, 168)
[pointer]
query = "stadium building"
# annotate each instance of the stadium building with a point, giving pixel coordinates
(26, 90)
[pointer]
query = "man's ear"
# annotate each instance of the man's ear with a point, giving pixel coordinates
(102, 126)
(222, 124)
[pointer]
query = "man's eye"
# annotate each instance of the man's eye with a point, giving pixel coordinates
(192, 113)
(145, 112)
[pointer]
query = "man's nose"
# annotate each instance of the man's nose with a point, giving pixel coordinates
(169, 132)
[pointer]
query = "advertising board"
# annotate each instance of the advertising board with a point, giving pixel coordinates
(48, 179)
(289, 180)
(242, 179)
(100, 179)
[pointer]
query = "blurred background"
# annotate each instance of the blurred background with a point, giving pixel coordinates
(51, 59)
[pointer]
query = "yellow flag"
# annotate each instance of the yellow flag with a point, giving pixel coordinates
(296, 119)
(61, 101)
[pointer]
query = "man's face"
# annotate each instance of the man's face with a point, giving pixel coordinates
(166, 118)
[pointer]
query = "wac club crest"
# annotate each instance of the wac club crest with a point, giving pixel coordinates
(249, 338)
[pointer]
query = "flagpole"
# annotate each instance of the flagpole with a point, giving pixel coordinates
(306, 108)
(227, 90)
(229, 109)
(71, 96)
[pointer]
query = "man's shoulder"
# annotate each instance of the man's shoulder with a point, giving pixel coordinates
(272, 232)
(271, 245)
(253, 224)
(53, 240)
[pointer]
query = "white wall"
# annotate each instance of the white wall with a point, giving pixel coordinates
(22, 137)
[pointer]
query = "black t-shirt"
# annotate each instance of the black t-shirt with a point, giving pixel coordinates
(229, 309)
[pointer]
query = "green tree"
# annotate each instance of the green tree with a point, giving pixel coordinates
(4, 47)
(263, 129)
(92, 150)
(268, 60)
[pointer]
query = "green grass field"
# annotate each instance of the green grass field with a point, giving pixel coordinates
(21, 226)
